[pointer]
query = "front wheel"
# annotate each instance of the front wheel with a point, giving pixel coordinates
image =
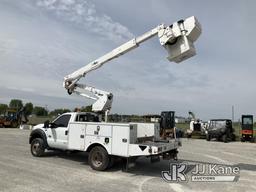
(37, 147)
(98, 158)
(14, 124)
(225, 138)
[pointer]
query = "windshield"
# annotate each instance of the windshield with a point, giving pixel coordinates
(218, 124)
(247, 120)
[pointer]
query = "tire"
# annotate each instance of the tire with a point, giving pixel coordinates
(14, 124)
(208, 137)
(225, 138)
(37, 147)
(98, 158)
(233, 137)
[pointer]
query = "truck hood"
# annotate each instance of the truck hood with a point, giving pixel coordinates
(38, 126)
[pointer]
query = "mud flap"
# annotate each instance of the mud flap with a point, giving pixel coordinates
(128, 163)
(173, 154)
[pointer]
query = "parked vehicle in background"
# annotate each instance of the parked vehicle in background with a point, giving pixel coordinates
(13, 118)
(167, 124)
(247, 128)
(196, 127)
(221, 130)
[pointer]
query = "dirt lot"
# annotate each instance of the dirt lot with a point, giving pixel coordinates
(19, 171)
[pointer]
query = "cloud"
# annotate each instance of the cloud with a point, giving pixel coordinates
(38, 99)
(83, 13)
(41, 41)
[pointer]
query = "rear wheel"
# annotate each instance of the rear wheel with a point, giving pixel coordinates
(225, 138)
(14, 124)
(208, 137)
(98, 158)
(37, 147)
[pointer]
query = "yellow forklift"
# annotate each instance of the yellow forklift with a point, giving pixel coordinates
(167, 126)
(13, 118)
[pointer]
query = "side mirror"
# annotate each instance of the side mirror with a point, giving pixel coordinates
(46, 124)
(53, 125)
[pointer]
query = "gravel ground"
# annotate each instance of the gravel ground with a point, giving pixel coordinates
(59, 171)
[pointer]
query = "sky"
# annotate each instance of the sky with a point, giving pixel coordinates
(41, 41)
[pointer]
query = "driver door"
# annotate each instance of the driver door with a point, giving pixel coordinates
(57, 134)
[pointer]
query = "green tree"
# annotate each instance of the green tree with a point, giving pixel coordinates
(87, 108)
(40, 111)
(29, 108)
(56, 112)
(3, 108)
(16, 103)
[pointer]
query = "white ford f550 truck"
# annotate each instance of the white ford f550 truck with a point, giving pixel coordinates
(79, 131)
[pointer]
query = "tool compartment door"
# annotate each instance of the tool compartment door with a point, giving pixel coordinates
(120, 140)
(76, 136)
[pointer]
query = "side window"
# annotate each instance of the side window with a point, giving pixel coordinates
(211, 125)
(247, 120)
(87, 118)
(93, 118)
(62, 121)
(81, 118)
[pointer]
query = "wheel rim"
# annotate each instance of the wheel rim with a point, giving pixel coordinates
(97, 159)
(35, 148)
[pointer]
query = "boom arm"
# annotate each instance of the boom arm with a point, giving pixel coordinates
(177, 39)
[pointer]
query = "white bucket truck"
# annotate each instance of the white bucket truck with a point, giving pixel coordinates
(80, 131)
(103, 141)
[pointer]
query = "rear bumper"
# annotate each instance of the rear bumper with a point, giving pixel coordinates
(156, 148)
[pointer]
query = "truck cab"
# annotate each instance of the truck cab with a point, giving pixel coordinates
(56, 132)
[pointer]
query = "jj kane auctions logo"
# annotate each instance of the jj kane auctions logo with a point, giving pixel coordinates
(201, 173)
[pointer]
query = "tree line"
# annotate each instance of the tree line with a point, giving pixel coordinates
(38, 110)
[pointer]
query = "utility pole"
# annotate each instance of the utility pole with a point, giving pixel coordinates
(233, 113)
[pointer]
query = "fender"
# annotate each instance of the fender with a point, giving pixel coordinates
(89, 148)
(38, 133)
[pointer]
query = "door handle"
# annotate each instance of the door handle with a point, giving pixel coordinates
(66, 132)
